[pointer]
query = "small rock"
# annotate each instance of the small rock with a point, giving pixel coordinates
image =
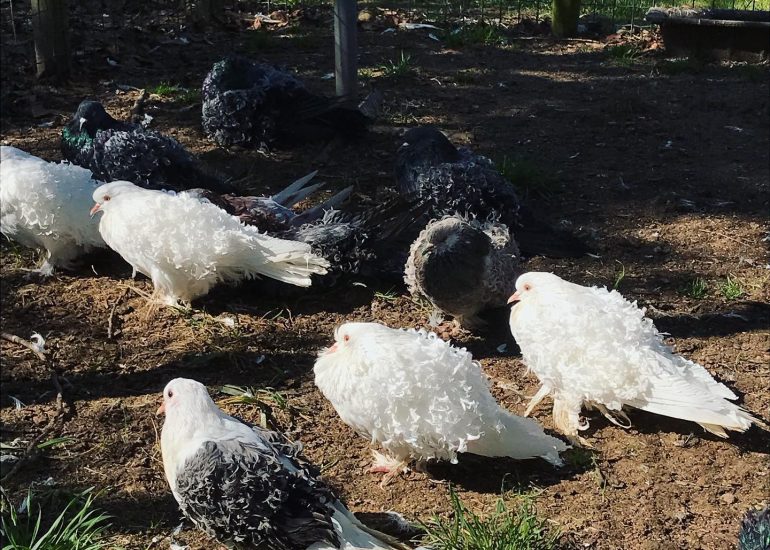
(728, 498)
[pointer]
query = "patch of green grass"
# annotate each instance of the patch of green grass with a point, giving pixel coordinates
(731, 288)
(624, 54)
(79, 526)
(475, 34)
(175, 91)
(389, 296)
(688, 65)
(512, 526)
(399, 67)
(696, 289)
(165, 89)
(527, 177)
(580, 458)
(260, 40)
(266, 399)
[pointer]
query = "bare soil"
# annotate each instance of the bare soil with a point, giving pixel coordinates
(662, 166)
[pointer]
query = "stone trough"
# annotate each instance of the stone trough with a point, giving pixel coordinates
(741, 35)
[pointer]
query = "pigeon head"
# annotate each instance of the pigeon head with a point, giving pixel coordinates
(185, 398)
(190, 412)
(352, 337)
(533, 284)
(108, 191)
(91, 117)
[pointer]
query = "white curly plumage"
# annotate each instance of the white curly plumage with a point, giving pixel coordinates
(589, 345)
(419, 397)
(45, 205)
(186, 246)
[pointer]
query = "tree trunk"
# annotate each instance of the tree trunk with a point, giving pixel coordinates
(50, 25)
(564, 17)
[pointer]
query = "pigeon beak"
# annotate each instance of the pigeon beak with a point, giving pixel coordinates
(95, 208)
(82, 121)
(515, 297)
(333, 348)
(161, 410)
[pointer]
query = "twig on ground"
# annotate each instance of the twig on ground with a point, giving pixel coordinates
(112, 312)
(26, 343)
(32, 449)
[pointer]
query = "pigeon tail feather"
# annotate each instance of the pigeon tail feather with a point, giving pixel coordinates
(519, 438)
(678, 399)
(354, 535)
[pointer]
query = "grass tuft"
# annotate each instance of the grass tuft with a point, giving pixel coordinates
(505, 529)
(399, 67)
(731, 288)
(624, 54)
(266, 399)
(527, 177)
(696, 289)
(472, 35)
(79, 526)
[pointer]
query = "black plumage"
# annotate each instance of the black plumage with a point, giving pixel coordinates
(115, 150)
(755, 530)
(286, 506)
(371, 242)
(451, 180)
(254, 104)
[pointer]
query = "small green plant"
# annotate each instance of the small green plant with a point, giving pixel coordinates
(731, 288)
(505, 529)
(165, 89)
(399, 67)
(527, 177)
(624, 54)
(619, 276)
(266, 399)
(389, 296)
(476, 34)
(79, 526)
(688, 65)
(696, 289)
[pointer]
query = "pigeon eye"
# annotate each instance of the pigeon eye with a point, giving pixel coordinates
(170, 394)
(106, 197)
(527, 286)
(346, 337)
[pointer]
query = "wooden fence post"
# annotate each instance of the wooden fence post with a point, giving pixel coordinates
(345, 47)
(50, 27)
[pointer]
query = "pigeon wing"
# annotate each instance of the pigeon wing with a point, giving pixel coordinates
(237, 492)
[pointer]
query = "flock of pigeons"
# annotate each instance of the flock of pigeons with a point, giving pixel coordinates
(456, 234)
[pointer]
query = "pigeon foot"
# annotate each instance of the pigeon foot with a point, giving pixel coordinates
(388, 465)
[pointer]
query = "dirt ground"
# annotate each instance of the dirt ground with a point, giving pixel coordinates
(662, 166)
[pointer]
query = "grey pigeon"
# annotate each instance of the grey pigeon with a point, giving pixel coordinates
(246, 486)
(463, 267)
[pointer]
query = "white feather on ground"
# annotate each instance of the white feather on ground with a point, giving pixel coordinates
(589, 345)
(419, 397)
(45, 205)
(186, 246)
(247, 486)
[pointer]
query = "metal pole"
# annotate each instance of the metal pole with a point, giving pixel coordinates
(345, 48)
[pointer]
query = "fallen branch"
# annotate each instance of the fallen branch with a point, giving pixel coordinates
(32, 449)
(26, 343)
(112, 312)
